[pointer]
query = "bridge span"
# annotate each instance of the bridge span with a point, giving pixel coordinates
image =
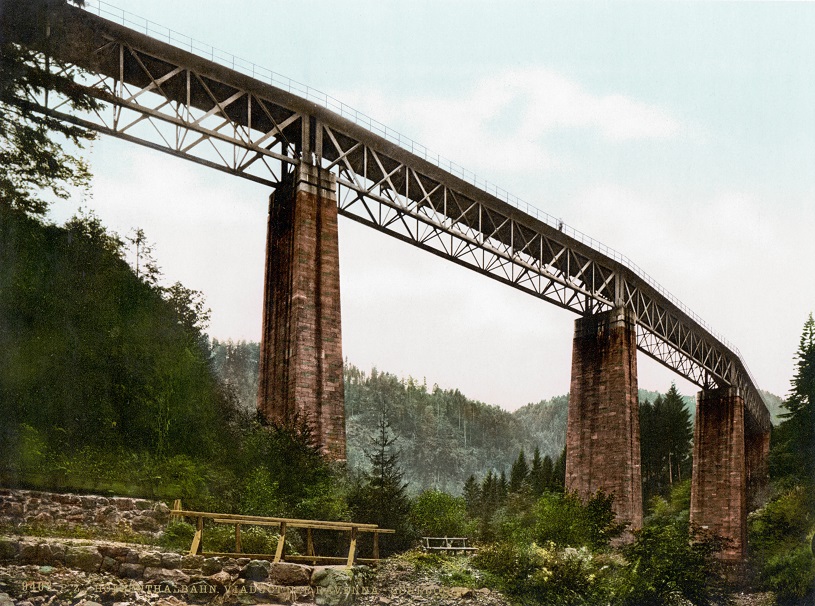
(323, 159)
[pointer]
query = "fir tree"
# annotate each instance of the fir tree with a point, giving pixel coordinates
(503, 487)
(558, 483)
(536, 480)
(519, 473)
(547, 472)
(472, 496)
(793, 449)
(381, 497)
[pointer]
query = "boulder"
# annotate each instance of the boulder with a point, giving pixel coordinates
(109, 565)
(9, 548)
(220, 579)
(171, 560)
(332, 585)
(51, 553)
(212, 565)
(150, 560)
(461, 592)
(28, 553)
(163, 575)
(192, 561)
(285, 573)
(117, 552)
(131, 571)
(123, 504)
(85, 558)
(144, 523)
(256, 570)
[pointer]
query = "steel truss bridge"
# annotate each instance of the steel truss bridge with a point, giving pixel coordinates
(224, 113)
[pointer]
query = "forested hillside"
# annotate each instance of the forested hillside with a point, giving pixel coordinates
(106, 384)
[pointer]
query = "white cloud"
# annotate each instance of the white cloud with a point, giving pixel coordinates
(501, 122)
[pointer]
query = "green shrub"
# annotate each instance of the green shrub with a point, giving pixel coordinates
(565, 521)
(437, 514)
(548, 574)
(665, 565)
(177, 536)
(779, 545)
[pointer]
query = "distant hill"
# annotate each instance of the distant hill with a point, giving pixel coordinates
(443, 436)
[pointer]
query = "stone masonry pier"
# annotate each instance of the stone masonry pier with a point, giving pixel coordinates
(603, 431)
(301, 345)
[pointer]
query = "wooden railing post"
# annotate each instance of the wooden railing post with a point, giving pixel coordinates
(238, 538)
(352, 548)
(279, 552)
(198, 539)
(309, 542)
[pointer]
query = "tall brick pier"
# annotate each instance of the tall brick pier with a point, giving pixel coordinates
(301, 344)
(729, 467)
(603, 431)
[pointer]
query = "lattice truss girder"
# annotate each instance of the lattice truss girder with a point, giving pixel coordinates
(191, 113)
(179, 110)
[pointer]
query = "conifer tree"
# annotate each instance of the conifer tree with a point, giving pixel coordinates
(472, 496)
(558, 483)
(518, 473)
(536, 480)
(547, 472)
(381, 498)
(793, 449)
(503, 487)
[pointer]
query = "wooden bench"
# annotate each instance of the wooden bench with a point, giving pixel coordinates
(283, 524)
(447, 544)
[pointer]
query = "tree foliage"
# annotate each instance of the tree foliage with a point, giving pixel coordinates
(781, 532)
(793, 442)
(666, 432)
(38, 152)
(379, 495)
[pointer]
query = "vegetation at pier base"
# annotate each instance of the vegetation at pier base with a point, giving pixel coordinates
(781, 533)
(666, 433)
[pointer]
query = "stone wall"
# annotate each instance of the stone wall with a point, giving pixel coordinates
(34, 508)
(116, 569)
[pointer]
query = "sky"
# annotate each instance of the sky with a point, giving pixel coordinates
(680, 134)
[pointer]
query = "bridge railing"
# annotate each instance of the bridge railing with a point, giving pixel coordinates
(119, 15)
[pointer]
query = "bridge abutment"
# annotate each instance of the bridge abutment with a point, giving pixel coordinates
(719, 485)
(603, 431)
(301, 364)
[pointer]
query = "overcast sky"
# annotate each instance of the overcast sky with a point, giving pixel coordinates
(682, 135)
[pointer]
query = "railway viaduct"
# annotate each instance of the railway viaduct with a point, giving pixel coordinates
(322, 159)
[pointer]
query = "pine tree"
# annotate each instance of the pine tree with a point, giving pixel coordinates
(678, 433)
(519, 473)
(503, 487)
(558, 482)
(472, 496)
(547, 472)
(489, 494)
(536, 480)
(666, 432)
(381, 497)
(793, 449)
